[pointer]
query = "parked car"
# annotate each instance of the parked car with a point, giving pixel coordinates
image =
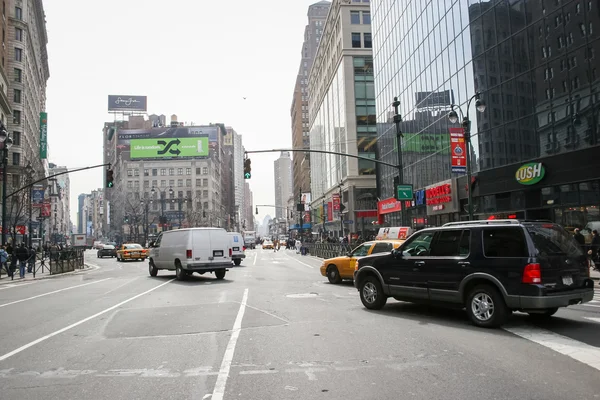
(491, 268)
(237, 248)
(338, 268)
(107, 251)
(131, 251)
(191, 250)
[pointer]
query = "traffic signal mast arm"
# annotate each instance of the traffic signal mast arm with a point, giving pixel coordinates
(322, 152)
(55, 175)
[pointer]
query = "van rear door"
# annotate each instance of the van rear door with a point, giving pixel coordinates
(200, 244)
(220, 245)
(563, 264)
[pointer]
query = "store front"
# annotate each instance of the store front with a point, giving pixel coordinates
(442, 202)
(564, 189)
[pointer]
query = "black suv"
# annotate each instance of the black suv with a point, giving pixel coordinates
(491, 268)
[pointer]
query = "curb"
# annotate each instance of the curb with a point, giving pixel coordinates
(87, 268)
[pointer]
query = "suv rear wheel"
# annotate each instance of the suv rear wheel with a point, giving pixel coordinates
(371, 293)
(485, 307)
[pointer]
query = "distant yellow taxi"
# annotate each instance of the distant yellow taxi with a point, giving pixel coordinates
(338, 268)
(131, 251)
(267, 244)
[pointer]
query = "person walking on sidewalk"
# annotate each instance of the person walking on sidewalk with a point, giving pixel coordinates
(31, 260)
(3, 261)
(22, 256)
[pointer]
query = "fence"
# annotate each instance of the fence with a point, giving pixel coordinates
(328, 250)
(65, 261)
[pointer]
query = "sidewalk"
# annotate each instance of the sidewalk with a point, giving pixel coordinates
(42, 272)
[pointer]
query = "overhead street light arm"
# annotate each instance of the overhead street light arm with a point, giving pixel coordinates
(322, 152)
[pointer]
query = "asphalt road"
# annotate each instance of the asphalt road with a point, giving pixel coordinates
(273, 329)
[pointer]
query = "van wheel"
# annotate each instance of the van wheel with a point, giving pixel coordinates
(152, 268)
(333, 275)
(220, 274)
(179, 272)
(237, 261)
(486, 308)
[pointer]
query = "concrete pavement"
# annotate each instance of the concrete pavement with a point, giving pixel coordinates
(273, 329)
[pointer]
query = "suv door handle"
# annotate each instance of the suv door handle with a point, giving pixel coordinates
(464, 263)
(419, 263)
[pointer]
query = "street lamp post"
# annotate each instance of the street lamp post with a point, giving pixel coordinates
(162, 201)
(399, 136)
(179, 201)
(466, 125)
(29, 172)
(145, 204)
(7, 142)
(341, 215)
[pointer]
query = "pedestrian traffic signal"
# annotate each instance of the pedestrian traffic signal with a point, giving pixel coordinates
(247, 169)
(109, 178)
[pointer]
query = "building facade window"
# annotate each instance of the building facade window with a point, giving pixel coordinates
(16, 158)
(19, 13)
(18, 75)
(16, 137)
(355, 17)
(16, 117)
(18, 54)
(19, 34)
(356, 40)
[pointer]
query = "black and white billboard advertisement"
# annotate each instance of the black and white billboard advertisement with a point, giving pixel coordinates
(127, 103)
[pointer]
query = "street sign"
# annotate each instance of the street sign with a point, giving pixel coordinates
(404, 192)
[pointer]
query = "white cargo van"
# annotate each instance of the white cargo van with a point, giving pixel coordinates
(191, 250)
(237, 247)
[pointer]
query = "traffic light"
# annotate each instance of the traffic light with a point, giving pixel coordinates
(247, 169)
(109, 178)
(257, 210)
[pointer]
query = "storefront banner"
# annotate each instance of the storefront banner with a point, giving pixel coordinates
(442, 197)
(336, 202)
(330, 211)
(388, 206)
(458, 148)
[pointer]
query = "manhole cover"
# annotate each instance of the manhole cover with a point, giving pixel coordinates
(302, 295)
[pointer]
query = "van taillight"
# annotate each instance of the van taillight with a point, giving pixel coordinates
(230, 252)
(188, 253)
(532, 274)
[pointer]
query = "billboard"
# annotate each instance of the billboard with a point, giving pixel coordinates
(43, 135)
(434, 99)
(175, 147)
(459, 150)
(127, 103)
(306, 201)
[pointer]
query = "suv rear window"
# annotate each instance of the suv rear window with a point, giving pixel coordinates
(552, 239)
(504, 242)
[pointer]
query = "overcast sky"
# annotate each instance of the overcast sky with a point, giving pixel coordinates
(196, 59)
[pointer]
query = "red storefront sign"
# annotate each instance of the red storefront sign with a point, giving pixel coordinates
(46, 208)
(20, 229)
(330, 211)
(388, 206)
(458, 147)
(439, 194)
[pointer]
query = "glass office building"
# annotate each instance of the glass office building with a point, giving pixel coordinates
(534, 63)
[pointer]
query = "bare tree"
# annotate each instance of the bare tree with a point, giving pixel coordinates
(17, 212)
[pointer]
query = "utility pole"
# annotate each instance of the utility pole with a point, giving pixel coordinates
(340, 211)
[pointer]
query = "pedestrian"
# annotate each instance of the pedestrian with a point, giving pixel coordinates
(31, 260)
(3, 261)
(595, 246)
(22, 255)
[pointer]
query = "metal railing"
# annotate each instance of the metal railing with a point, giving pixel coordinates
(328, 250)
(66, 260)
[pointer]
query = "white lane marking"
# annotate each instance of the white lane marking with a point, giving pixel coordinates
(222, 297)
(49, 293)
(575, 349)
(14, 285)
(66, 328)
(306, 265)
(219, 390)
(120, 286)
(255, 258)
(258, 371)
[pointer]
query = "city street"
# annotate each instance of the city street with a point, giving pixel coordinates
(273, 329)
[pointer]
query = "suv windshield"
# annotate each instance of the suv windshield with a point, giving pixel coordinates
(551, 239)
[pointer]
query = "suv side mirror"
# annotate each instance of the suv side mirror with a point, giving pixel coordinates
(397, 253)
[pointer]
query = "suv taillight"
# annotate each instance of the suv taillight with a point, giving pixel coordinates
(230, 252)
(188, 253)
(532, 274)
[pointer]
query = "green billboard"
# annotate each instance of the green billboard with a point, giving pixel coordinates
(169, 147)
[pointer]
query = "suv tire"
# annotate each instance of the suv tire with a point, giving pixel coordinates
(485, 307)
(371, 293)
(333, 275)
(152, 268)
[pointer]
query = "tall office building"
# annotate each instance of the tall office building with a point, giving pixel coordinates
(283, 183)
(248, 218)
(342, 119)
(534, 64)
(25, 60)
(317, 15)
(238, 179)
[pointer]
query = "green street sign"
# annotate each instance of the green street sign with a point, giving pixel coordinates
(404, 192)
(169, 147)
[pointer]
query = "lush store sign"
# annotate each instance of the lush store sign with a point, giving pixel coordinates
(530, 174)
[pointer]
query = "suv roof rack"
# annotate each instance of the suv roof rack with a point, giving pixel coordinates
(485, 222)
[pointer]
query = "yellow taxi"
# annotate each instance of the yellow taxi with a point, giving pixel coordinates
(131, 251)
(338, 268)
(267, 244)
